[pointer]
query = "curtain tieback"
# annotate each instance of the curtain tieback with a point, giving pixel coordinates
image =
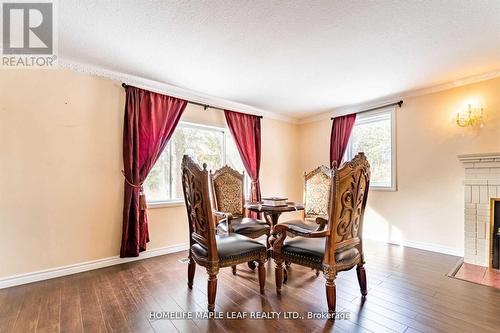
(142, 196)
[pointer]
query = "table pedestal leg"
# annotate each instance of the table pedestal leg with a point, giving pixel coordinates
(271, 218)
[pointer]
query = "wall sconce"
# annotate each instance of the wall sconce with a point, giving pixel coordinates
(471, 117)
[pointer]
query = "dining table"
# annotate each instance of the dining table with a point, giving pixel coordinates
(272, 215)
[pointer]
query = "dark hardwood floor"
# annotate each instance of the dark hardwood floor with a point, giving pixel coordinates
(408, 292)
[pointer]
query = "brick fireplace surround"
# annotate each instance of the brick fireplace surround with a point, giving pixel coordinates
(481, 184)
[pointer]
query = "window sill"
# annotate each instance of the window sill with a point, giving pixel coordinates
(165, 204)
(383, 189)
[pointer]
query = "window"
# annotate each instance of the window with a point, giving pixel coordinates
(205, 144)
(374, 134)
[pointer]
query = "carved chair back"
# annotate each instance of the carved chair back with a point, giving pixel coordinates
(202, 228)
(349, 192)
(316, 192)
(227, 191)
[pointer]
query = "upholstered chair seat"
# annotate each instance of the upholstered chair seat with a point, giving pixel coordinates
(245, 226)
(231, 248)
(313, 250)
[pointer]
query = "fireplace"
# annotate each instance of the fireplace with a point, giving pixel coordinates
(495, 234)
(481, 208)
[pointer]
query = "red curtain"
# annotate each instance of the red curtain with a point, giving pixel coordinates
(150, 120)
(339, 138)
(245, 129)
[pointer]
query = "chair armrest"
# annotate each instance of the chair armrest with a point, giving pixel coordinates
(298, 231)
(322, 222)
(224, 217)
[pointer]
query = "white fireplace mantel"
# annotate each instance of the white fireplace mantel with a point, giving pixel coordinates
(479, 157)
(481, 183)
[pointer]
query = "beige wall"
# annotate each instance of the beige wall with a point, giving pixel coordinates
(428, 205)
(61, 188)
(60, 159)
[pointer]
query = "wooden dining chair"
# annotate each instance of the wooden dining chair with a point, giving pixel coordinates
(206, 248)
(339, 247)
(228, 201)
(316, 198)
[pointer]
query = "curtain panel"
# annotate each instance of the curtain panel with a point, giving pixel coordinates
(150, 120)
(246, 132)
(339, 138)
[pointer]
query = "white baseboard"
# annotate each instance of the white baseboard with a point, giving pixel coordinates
(422, 246)
(435, 248)
(55, 272)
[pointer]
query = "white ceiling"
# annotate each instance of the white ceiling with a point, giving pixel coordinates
(297, 57)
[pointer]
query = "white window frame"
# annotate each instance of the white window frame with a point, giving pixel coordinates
(369, 117)
(225, 133)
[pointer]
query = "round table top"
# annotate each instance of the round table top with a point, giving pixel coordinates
(260, 208)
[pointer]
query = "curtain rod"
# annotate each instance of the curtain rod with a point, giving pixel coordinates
(205, 106)
(379, 107)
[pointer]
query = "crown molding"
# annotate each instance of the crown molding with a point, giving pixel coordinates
(171, 90)
(198, 97)
(343, 110)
